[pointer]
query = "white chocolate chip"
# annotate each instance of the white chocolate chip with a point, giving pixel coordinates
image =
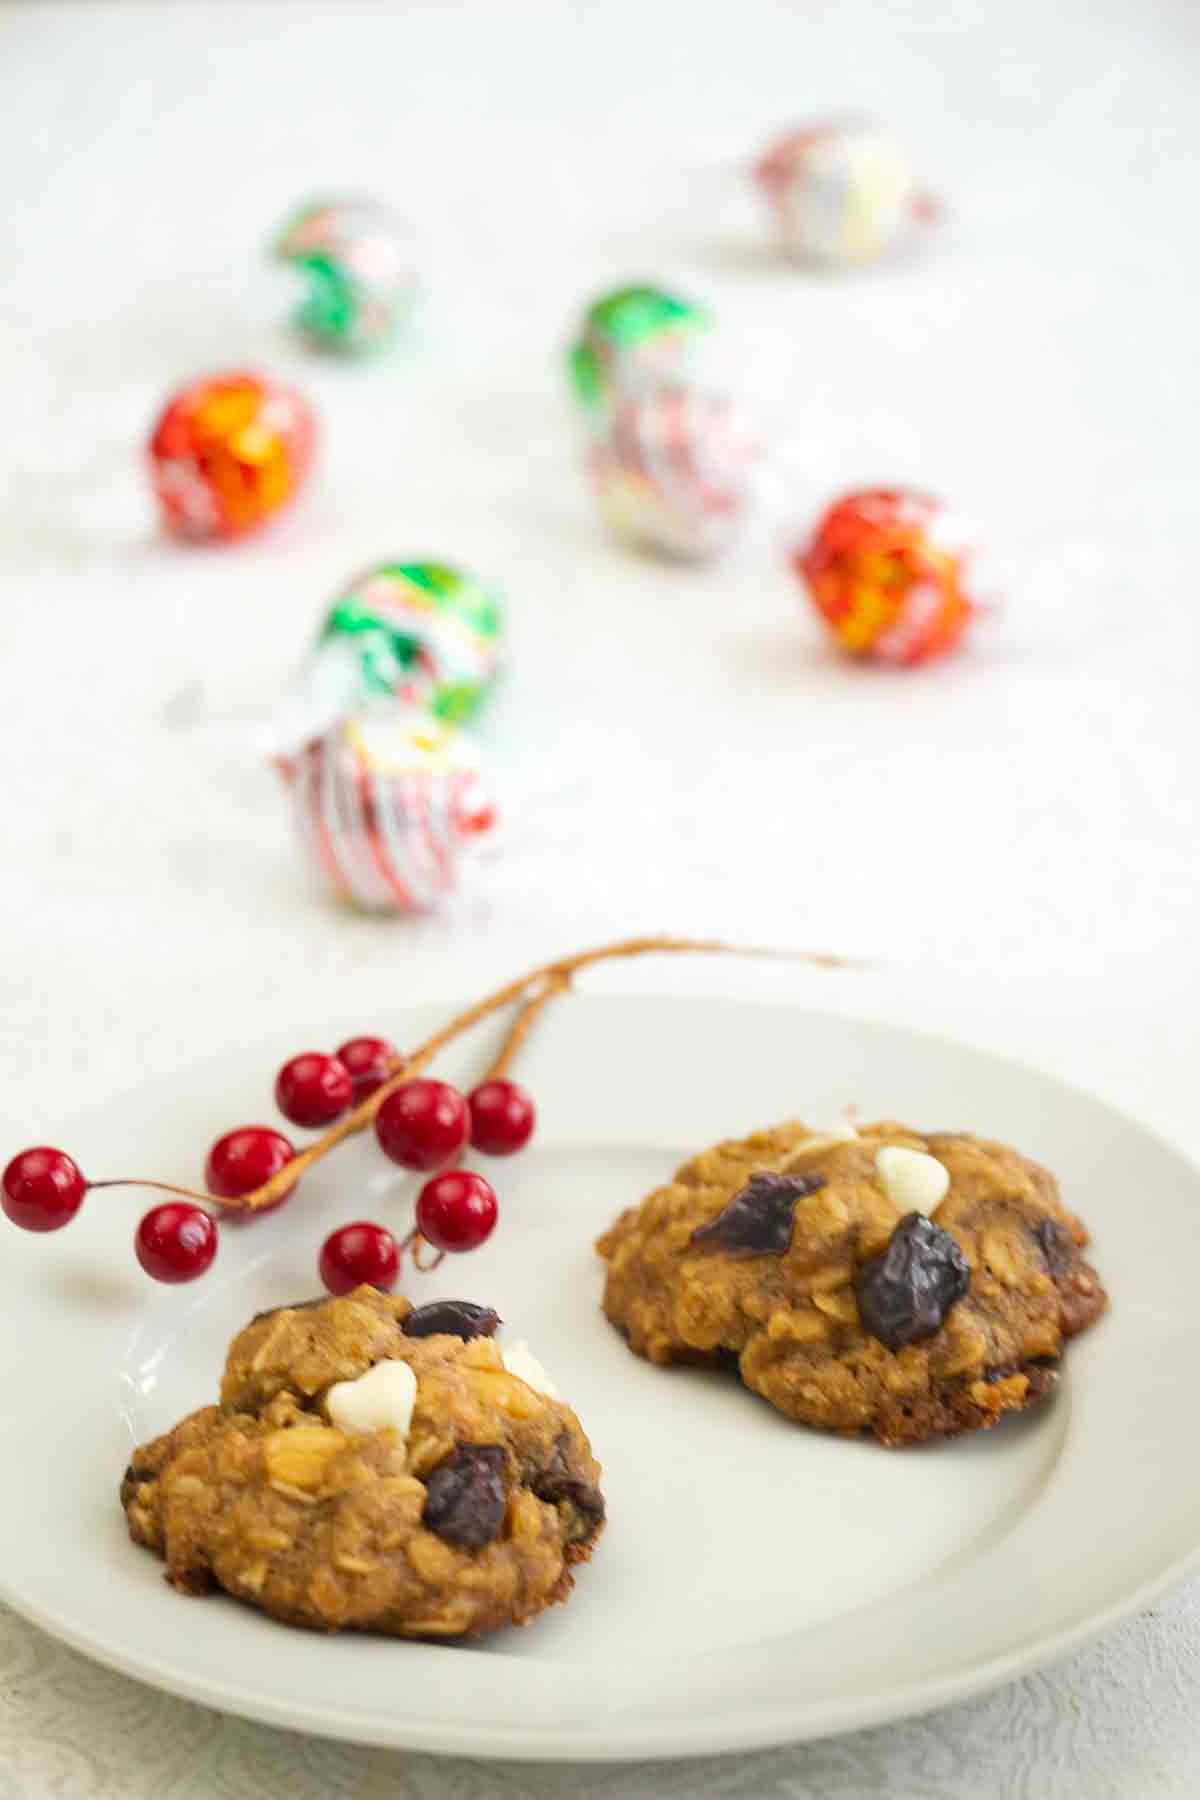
(913, 1179)
(520, 1361)
(385, 1395)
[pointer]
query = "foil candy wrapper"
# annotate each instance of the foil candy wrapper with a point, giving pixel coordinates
(841, 193)
(359, 264)
(390, 805)
(634, 335)
(673, 471)
(227, 453)
(420, 632)
(886, 570)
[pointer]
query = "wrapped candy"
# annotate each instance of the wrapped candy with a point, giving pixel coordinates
(389, 803)
(672, 470)
(841, 193)
(359, 266)
(630, 336)
(885, 570)
(227, 453)
(420, 631)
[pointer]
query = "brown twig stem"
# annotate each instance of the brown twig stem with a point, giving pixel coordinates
(160, 1187)
(550, 979)
(415, 1244)
(523, 1024)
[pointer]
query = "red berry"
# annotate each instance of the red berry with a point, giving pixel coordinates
(369, 1060)
(176, 1242)
(243, 1159)
(457, 1210)
(502, 1117)
(359, 1253)
(423, 1125)
(42, 1189)
(313, 1089)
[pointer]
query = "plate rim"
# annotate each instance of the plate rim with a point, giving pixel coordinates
(650, 1743)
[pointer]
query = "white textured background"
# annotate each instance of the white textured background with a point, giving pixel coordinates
(1013, 834)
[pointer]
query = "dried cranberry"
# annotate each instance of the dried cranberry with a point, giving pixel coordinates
(586, 1501)
(451, 1318)
(758, 1220)
(464, 1497)
(1057, 1246)
(905, 1294)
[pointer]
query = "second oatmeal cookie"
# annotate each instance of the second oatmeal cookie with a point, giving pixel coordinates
(724, 1262)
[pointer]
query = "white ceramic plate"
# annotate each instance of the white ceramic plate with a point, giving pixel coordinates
(757, 1582)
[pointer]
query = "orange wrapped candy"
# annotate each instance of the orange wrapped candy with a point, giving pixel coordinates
(886, 575)
(229, 452)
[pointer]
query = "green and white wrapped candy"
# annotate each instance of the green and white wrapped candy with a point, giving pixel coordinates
(632, 336)
(420, 632)
(360, 268)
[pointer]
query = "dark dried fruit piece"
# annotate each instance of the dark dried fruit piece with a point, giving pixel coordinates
(1002, 1372)
(465, 1500)
(1057, 1246)
(758, 1220)
(585, 1502)
(1081, 1297)
(905, 1293)
(451, 1318)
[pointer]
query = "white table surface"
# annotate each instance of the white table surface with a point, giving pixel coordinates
(1013, 834)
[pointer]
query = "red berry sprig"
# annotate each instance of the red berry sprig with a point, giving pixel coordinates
(420, 1124)
(368, 1061)
(358, 1254)
(423, 1125)
(176, 1242)
(43, 1189)
(244, 1159)
(313, 1089)
(456, 1211)
(502, 1117)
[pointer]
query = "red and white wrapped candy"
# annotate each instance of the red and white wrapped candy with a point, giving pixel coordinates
(672, 471)
(390, 803)
(843, 192)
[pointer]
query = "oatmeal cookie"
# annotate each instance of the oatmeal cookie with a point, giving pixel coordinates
(361, 1475)
(816, 1266)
